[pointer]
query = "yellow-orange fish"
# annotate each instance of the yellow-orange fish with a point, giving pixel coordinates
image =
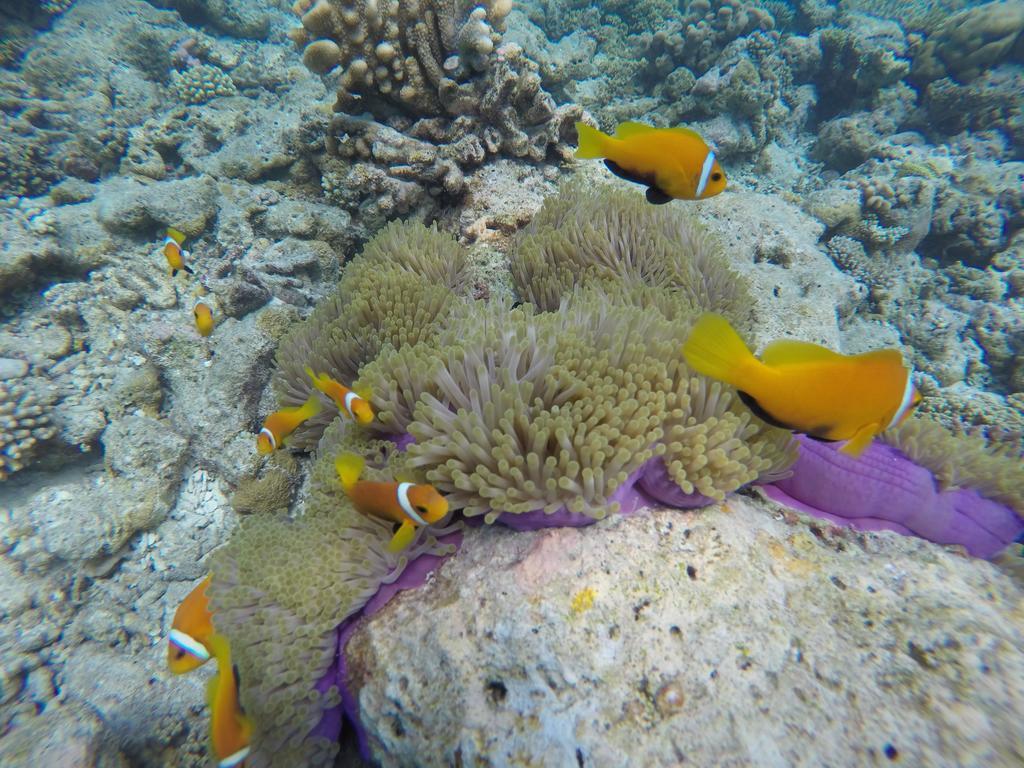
(188, 644)
(282, 423)
(204, 317)
(805, 387)
(174, 253)
(673, 163)
(357, 406)
(409, 504)
(230, 728)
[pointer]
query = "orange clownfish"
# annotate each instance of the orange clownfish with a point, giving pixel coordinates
(230, 728)
(673, 163)
(204, 317)
(188, 644)
(356, 406)
(807, 388)
(174, 253)
(406, 503)
(282, 423)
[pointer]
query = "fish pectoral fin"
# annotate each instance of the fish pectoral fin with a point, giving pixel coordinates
(657, 197)
(861, 439)
(637, 178)
(792, 352)
(403, 538)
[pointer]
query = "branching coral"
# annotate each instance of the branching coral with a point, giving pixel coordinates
(441, 95)
(705, 29)
(24, 422)
(613, 239)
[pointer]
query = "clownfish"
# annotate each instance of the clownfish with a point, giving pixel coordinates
(282, 423)
(405, 503)
(204, 317)
(807, 388)
(188, 644)
(356, 406)
(174, 253)
(230, 728)
(673, 163)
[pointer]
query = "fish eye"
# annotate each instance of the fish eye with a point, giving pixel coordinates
(716, 176)
(421, 509)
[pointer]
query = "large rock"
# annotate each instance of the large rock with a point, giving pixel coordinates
(730, 636)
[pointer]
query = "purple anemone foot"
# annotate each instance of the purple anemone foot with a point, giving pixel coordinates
(885, 490)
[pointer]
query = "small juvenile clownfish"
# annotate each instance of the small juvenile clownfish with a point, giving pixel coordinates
(357, 406)
(405, 503)
(204, 317)
(806, 388)
(174, 253)
(673, 163)
(230, 728)
(282, 423)
(188, 644)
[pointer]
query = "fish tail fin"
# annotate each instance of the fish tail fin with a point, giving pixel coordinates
(592, 142)
(319, 380)
(175, 235)
(349, 467)
(311, 407)
(716, 350)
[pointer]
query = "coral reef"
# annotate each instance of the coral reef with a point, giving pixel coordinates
(512, 413)
(444, 96)
(970, 42)
(199, 84)
(24, 422)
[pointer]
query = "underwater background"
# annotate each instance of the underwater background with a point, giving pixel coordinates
(202, 199)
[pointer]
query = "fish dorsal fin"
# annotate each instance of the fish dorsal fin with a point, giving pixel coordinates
(683, 131)
(887, 356)
(632, 128)
(793, 352)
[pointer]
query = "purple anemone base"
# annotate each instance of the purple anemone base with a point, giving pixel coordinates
(884, 490)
